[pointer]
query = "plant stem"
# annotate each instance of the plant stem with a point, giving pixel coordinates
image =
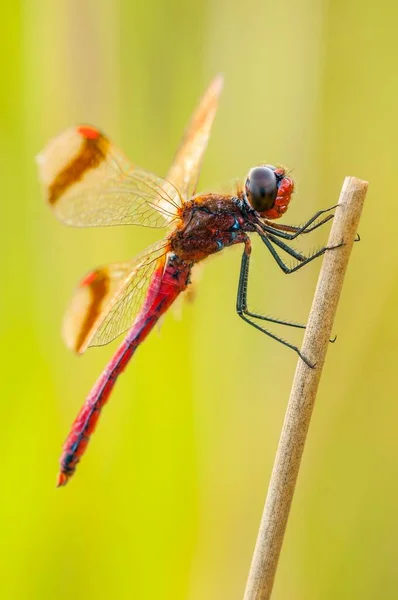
(303, 393)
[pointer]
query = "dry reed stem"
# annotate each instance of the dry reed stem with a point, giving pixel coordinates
(302, 397)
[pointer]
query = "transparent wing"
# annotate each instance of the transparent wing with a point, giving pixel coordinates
(185, 169)
(88, 182)
(233, 187)
(108, 299)
(129, 297)
(89, 301)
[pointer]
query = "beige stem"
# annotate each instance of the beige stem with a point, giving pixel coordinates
(303, 393)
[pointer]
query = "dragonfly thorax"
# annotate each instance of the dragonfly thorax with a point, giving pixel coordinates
(208, 224)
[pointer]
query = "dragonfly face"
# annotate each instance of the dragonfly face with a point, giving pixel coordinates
(268, 190)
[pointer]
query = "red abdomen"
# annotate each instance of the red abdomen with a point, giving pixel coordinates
(174, 279)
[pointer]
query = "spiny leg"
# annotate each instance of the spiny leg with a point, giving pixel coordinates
(282, 265)
(298, 230)
(299, 257)
(291, 251)
(290, 232)
(274, 320)
(241, 303)
(277, 229)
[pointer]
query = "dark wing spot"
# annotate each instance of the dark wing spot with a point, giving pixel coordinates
(92, 154)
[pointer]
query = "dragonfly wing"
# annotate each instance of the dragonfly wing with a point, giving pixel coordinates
(89, 301)
(185, 169)
(109, 298)
(88, 182)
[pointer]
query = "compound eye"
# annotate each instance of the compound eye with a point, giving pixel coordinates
(261, 188)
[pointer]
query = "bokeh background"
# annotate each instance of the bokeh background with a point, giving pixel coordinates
(167, 501)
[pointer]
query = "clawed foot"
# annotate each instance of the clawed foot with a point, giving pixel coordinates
(307, 362)
(342, 243)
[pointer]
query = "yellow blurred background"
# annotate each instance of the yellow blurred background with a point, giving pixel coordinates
(167, 501)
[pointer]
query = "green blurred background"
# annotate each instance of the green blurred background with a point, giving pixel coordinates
(167, 501)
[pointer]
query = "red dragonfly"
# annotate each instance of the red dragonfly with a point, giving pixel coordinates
(88, 182)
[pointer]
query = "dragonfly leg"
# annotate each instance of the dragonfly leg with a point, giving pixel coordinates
(290, 232)
(244, 313)
(279, 230)
(304, 260)
(291, 251)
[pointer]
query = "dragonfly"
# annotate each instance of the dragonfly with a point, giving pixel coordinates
(88, 182)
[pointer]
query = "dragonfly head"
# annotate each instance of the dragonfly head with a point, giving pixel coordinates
(268, 190)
